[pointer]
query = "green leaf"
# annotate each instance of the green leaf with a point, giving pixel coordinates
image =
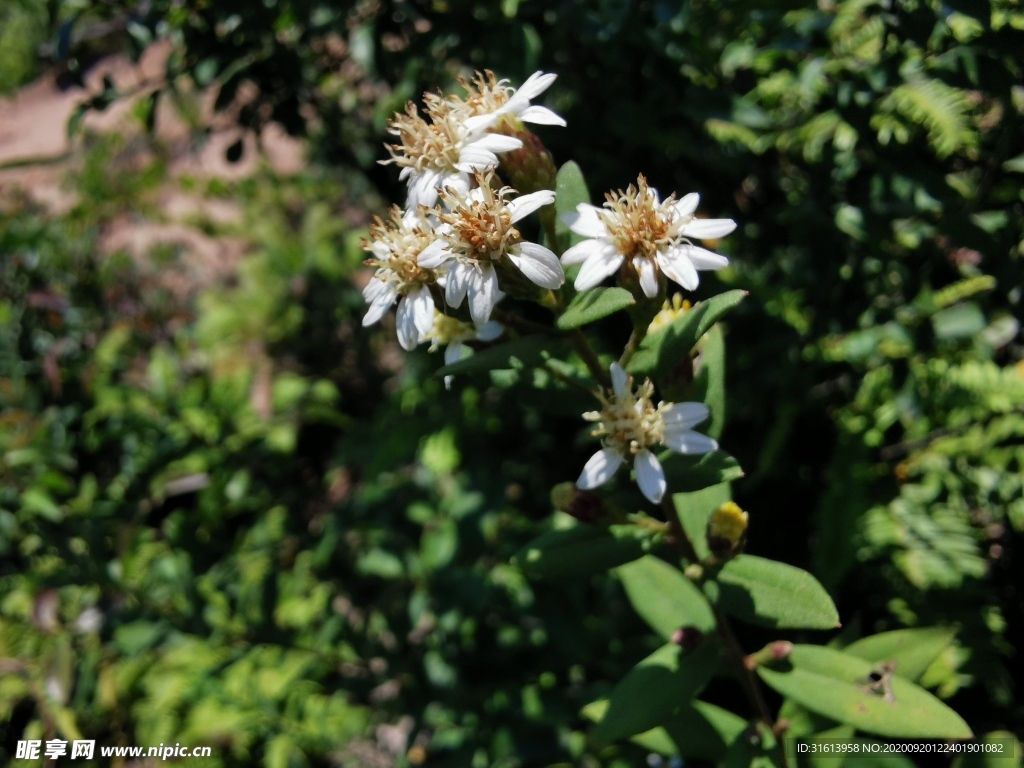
(582, 550)
(836, 685)
(1004, 751)
(570, 191)
(709, 382)
(913, 650)
(960, 321)
(664, 597)
(694, 473)
(700, 731)
(704, 731)
(772, 594)
(524, 352)
(660, 352)
(656, 689)
(695, 509)
(591, 306)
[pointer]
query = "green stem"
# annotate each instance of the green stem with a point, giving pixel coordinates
(566, 380)
(746, 676)
(589, 356)
(635, 338)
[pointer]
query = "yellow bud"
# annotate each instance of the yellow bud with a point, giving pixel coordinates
(727, 529)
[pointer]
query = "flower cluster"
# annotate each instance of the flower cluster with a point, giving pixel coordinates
(459, 241)
(458, 229)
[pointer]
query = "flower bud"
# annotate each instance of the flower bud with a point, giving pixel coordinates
(531, 167)
(688, 638)
(727, 530)
(773, 653)
(585, 506)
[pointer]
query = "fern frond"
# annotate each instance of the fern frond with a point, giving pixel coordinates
(930, 104)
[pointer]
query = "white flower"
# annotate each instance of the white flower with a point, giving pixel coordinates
(651, 236)
(489, 98)
(443, 152)
(453, 333)
(629, 424)
(397, 245)
(478, 233)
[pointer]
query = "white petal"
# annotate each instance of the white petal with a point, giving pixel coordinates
(483, 293)
(423, 189)
(489, 331)
(677, 267)
(458, 284)
(702, 258)
(686, 205)
(479, 123)
(536, 84)
(684, 415)
(648, 276)
(526, 204)
(620, 380)
(454, 352)
(494, 142)
(649, 475)
(408, 333)
(458, 182)
(597, 268)
(541, 116)
(586, 221)
(599, 469)
(538, 264)
(686, 441)
(705, 229)
(381, 304)
(473, 159)
(422, 307)
(374, 288)
(584, 250)
(434, 255)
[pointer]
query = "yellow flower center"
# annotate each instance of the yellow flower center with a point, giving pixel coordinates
(426, 146)
(628, 423)
(638, 224)
(485, 93)
(448, 330)
(481, 225)
(669, 313)
(403, 244)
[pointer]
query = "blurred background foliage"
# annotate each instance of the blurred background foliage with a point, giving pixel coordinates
(238, 519)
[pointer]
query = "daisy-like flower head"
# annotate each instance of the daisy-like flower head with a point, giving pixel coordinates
(629, 425)
(454, 333)
(479, 232)
(670, 312)
(397, 245)
(635, 227)
(488, 98)
(442, 152)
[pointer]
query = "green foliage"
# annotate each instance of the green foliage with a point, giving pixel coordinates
(22, 29)
(591, 306)
(774, 594)
(664, 598)
(839, 686)
(269, 490)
